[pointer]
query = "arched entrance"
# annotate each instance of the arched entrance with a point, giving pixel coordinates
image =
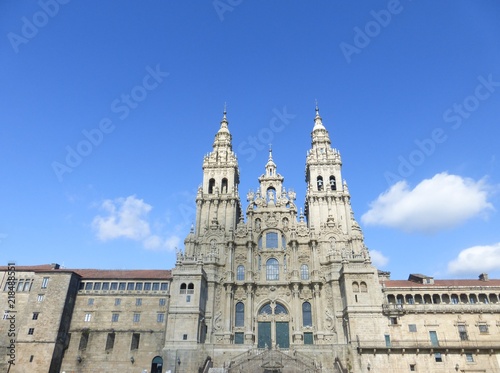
(157, 365)
(273, 326)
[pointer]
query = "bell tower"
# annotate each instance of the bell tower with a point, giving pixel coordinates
(328, 202)
(217, 200)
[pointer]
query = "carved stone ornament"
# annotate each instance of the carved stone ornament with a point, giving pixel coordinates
(330, 321)
(302, 231)
(241, 257)
(271, 220)
(241, 231)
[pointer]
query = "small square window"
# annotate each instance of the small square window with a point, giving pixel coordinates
(115, 317)
(160, 317)
(40, 297)
(162, 302)
(118, 301)
(122, 285)
(134, 345)
(188, 298)
(156, 286)
(110, 341)
(88, 317)
(438, 357)
(413, 367)
(137, 317)
(308, 338)
(412, 328)
(105, 286)
(394, 321)
(138, 301)
(469, 358)
(31, 331)
(147, 286)
(27, 286)
(185, 337)
(84, 340)
(45, 282)
(89, 285)
(90, 302)
(97, 286)
(114, 285)
(164, 286)
(35, 315)
(138, 286)
(483, 328)
(239, 338)
(130, 286)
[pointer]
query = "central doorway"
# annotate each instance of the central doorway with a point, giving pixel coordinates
(273, 326)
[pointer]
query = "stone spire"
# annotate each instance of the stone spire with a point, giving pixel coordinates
(320, 137)
(223, 136)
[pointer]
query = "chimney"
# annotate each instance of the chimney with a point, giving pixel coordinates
(54, 266)
(483, 277)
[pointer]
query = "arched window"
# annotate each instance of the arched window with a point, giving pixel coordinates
(272, 270)
(183, 288)
(280, 309)
(240, 273)
(239, 320)
(223, 186)
(266, 310)
(355, 287)
(211, 185)
(306, 314)
(333, 183)
(363, 287)
(191, 288)
(319, 182)
(304, 272)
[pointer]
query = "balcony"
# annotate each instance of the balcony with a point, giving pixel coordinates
(427, 346)
(400, 309)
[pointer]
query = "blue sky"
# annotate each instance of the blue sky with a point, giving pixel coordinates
(107, 109)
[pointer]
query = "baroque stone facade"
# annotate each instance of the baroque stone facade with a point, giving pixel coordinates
(276, 290)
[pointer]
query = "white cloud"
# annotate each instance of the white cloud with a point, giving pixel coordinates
(434, 204)
(126, 217)
(476, 260)
(129, 218)
(378, 259)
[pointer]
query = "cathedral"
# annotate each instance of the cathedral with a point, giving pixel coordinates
(266, 288)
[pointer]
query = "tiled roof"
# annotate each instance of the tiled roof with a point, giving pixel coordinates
(440, 283)
(136, 274)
